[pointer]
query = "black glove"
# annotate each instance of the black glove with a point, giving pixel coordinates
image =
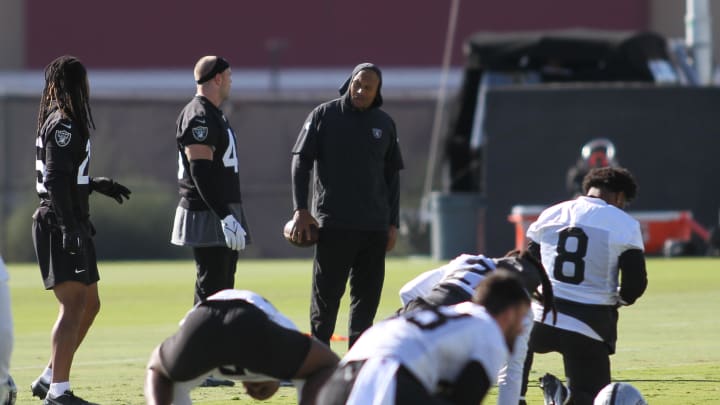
(72, 242)
(107, 186)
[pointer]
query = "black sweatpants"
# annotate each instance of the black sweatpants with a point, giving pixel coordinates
(216, 267)
(341, 255)
(586, 360)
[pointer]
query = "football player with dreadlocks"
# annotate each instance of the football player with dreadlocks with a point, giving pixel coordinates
(455, 282)
(593, 253)
(62, 232)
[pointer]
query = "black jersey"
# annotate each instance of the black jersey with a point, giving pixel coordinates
(201, 122)
(62, 160)
(356, 154)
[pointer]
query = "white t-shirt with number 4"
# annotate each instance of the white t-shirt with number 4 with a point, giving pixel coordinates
(581, 241)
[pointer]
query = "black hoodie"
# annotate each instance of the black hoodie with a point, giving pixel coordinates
(357, 159)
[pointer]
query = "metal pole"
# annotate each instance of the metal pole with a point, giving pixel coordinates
(440, 106)
(698, 38)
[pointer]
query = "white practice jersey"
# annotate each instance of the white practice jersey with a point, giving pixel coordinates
(465, 271)
(580, 243)
(436, 344)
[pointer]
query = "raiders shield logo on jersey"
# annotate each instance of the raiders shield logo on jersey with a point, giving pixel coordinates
(377, 133)
(200, 133)
(62, 138)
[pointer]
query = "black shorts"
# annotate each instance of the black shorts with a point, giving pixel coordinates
(232, 333)
(56, 265)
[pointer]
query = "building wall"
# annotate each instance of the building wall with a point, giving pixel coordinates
(12, 34)
(310, 33)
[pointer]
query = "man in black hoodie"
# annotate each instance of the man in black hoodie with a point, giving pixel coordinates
(353, 145)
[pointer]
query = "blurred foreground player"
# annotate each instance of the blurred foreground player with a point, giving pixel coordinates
(456, 281)
(239, 335)
(8, 390)
(436, 354)
(593, 253)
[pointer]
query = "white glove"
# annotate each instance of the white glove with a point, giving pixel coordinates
(234, 233)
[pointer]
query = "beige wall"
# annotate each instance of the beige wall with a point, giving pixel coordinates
(12, 38)
(667, 17)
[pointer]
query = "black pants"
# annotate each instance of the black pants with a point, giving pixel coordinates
(339, 255)
(215, 270)
(586, 360)
(408, 390)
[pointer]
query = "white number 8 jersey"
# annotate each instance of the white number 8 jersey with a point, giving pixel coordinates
(580, 243)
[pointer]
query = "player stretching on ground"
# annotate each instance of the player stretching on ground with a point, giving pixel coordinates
(436, 354)
(456, 281)
(240, 335)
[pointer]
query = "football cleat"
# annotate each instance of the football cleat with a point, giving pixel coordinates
(40, 388)
(619, 393)
(554, 391)
(67, 398)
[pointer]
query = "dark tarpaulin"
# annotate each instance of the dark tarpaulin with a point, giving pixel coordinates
(575, 55)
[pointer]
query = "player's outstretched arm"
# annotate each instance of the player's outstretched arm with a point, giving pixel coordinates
(110, 188)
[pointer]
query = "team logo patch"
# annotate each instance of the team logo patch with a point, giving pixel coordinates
(62, 138)
(200, 133)
(377, 133)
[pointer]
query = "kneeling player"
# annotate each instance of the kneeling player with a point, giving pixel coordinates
(240, 335)
(455, 282)
(435, 354)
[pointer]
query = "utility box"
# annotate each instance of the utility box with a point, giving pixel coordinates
(457, 224)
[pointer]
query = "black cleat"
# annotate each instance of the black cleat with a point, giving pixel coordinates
(554, 391)
(211, 381)
(40, 388)
(67, 398)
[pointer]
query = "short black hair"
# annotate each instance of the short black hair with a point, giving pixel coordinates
(615, 179)
(500, 290)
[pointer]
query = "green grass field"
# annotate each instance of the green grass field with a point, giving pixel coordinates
(669, 342)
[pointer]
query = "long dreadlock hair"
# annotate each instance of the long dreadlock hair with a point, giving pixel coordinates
(66, 86)
(546, 297)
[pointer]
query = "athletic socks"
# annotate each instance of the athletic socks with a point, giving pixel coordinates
(57, 389)
(46, 375)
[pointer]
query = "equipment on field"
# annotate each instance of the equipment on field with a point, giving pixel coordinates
(619, 393)
(554, 391)
(305, 240)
